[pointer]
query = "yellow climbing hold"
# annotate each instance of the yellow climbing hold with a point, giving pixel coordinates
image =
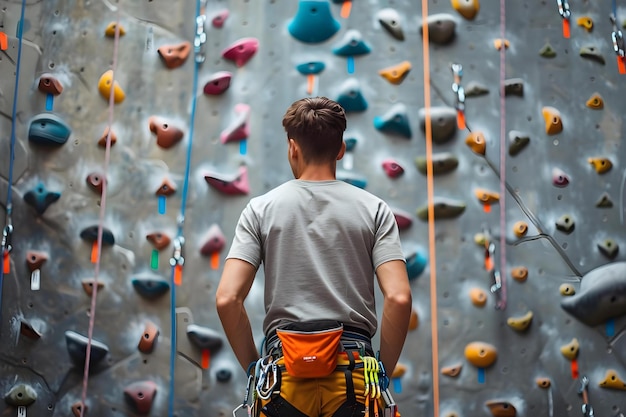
(601, 165)
(552, 117)
(586, 22)
(567, 289)
(480, 239)
(520, 229)
(612, 380)
(497, 43)
(520, 323)
(486, 196)
(104, 86)
(595, 102)
(481, 354)
(477, 143)
(543, 382)
(398, 371)
(110, 30)
(396, 73)
(570, 350)
(466, 8)
(478, 297)
(453, 370)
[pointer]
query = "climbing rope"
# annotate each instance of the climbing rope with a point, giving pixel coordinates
(501, 303)
(177, 261)
(7, 232)
(431, 211)
(103, 198)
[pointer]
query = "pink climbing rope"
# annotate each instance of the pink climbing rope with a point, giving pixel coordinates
(502, 300)
(107, 153)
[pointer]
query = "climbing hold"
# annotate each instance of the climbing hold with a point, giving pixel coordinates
(350, 96)
(49, 84)
(565, 223)
(608, 248)
(26, 329)
(399, 371)
(520, 323)
(415, 264)
(159, 240)
(167, 135)
(517, 141)
(111, 28)
(104, 86)
(486, 197)
(501, 408)
(88, 285)
(175, 55)
(395, 121)
(592, 53)
(390, 20)
(477, 142)
(217, 83)
(77, 409)
(520, 228)
(392, 168)
(350, 144)
(140, 395)
(586, 22)
(559, 178)
(148, 338)
(602, 295)
(223, 375)
(352, 178)
(95, 181)
(166, 188)
(466, 8)
(443, 122)
(475, 89)
(313, 22)
(219, 18)
(595, 102)
(543, 382)
(396, 73)
(150, 286)
(453, 370)
(214, 241)
(103, 139)
(552, 117)
(478, 296)
(414, 320)
(601, 165)
(35, 259)
(311, 68)
(237, 184)
(352, 44)
(90, 234)
(443, 162)
(48, 129)
(40, 198)
(77, 348)
(239, 128)
(605, 201)
(441, 28)
(567, 289)
(519, 273)
(444, 208)
(241, 51)
(480, 239)
(481, 354)
(570, 350)
(21, 395)
(547, 51)
(514, 87)
(498, 42)
(403, 218)
(204, 338)
(612, 380)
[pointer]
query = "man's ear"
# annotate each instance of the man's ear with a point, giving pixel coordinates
(342, 151)
(292, 148)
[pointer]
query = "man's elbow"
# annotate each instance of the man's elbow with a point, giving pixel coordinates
(225, 303)
(402, 300)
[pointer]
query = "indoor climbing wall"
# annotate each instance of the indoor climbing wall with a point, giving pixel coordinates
(140, 129)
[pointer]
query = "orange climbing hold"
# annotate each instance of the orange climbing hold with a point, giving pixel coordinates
(543, 382)
(519, 273)
(520, 228)
(595, 102)
(466, 8)
(166, 188)
(477, 143)
(396, 73)
(110, 30)
(174, 56)
(601, 165)
(481, 354)
(414, 321)
(586, 22)
(478, 297)
(497, 43)
(453, 370)
(103, 139)
(501, 409)
(612, 380)
(552, 117)
(486, 197)
(104, 86)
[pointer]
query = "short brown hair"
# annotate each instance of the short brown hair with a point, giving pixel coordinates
(317, 125)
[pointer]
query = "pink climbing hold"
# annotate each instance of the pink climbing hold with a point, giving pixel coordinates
(404, 220)
(392, 168)
(241, 51)
(219, 19)
(239, 129)
(214, 241)
(230, 185)
(218, 83)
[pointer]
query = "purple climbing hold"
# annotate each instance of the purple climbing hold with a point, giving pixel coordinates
(392, 168)
(217, 83)
(559, 178)
(219, 18)
(241, 51)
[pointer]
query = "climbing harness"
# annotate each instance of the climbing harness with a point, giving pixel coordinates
(178, 261)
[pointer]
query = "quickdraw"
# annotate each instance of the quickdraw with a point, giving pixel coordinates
(565, 13)
(617, 39)
(459, 91)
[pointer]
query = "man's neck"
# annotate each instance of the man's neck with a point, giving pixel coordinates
(318, 173)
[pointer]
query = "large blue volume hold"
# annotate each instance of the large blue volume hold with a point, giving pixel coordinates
(313, 22)
(48, 129)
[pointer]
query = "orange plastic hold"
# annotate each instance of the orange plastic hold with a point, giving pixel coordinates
(481, 354)
(466, 8)
(175, 55)
(396, 73)
(478, 297)
(414, 321)
(477, 143)
(486, 196)
(520, 228)
(103, 139)
(166, 188)
(453, 370)
(35, 259)
(148, 338)
(612, 380)
(519, 273)
(497, 43)
(167, 136)
(77, 408)
(88, 285)
(595, 102)
(48, 84)
(543, 382)
(104, 86)
(110, 30)
(601, 165)
(570, 350)
(501, 409)
(398, 371)
(552, 117)
(586, 22)
(159, 240)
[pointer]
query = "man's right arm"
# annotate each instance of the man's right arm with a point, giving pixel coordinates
(394, 284)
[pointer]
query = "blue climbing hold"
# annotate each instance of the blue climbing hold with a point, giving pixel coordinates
(313, 23)
(150, 286)
(49, 130)
(350, 144)
(77, 348)
(311, 68)
(40, 198)
(395, 120)
(204, 338)
(350, 96)
(352, 179)
(352, 44)
(415, 264)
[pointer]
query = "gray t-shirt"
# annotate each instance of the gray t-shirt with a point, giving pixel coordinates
(320, 243)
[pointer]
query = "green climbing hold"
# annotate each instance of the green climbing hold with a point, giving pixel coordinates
(547, 51)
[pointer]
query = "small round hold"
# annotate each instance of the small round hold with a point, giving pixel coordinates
(497, 43)
(453, 370)
(480, 239)
(223, 375)
(520, 228)
(519, 273)
(543, 382)
(478, 297)
(567, 289)
(559, 178)
(477, 143)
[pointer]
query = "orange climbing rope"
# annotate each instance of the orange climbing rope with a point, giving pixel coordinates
(431, 212)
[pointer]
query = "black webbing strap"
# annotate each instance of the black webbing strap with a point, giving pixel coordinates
(350, 395)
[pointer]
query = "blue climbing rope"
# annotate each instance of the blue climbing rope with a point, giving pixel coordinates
(177, 261)
(7, 233)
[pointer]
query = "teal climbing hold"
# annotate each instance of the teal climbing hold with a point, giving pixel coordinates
(40, 198)
(350, 96)
(350, 144)
(351, 178)
(311, 68)
(314, 22)
(150, 286)
(49, 130)
(415, 264)
(352, 44)
(395, 120)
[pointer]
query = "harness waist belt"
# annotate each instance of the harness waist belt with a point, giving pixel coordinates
(352, 338)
